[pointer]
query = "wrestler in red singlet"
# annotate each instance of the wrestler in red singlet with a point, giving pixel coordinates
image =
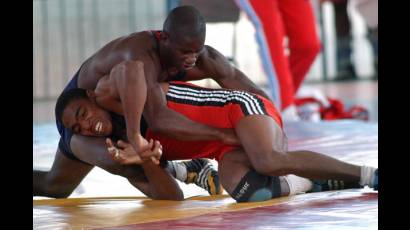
(219, 108)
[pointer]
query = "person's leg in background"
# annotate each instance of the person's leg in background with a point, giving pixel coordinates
(273, 20)
(368, 9)
(270, 34)
(345, 69)
(304, 44)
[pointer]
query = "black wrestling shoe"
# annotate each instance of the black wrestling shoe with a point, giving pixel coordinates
(202, 173)
(329, 185)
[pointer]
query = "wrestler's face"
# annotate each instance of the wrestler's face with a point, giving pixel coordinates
(185, 51)
(84, 117)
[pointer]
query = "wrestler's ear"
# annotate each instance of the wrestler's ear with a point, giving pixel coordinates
(91, 95)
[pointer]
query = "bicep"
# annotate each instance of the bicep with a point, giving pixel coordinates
(237, 80)
(218, 67)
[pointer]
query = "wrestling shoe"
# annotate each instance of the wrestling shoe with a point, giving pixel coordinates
(203, 174)
(329, 185)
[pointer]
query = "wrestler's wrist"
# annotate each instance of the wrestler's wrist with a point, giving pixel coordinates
(134, 136)
(136, 139)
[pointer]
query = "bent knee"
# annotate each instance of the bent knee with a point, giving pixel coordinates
(308, 48)
(274, 163)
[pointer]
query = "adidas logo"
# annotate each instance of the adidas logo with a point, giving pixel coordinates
(243, 190)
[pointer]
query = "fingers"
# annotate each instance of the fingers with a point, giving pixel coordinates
(151, 143)
(126, 160)
(152, 151)
(115, 153)
(108, 142)
(153, 154)
(123, 144)
(119, 156)
(112, 150)
(148, 147)
(157, 151)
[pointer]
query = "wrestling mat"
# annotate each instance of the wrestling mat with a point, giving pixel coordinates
(352, 141)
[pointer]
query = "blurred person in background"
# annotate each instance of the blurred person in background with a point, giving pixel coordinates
(275, 20)
(344, 38)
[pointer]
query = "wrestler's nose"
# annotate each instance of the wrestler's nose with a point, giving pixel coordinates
(85, 124)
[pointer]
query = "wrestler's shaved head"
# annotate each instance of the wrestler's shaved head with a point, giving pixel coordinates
(185, 21)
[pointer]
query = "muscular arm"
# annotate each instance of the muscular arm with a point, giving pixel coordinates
(154, 182)
(129, 82)
(161, 184)
(125, 90)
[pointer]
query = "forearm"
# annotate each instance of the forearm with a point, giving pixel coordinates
(132, 91)
(162, 185)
